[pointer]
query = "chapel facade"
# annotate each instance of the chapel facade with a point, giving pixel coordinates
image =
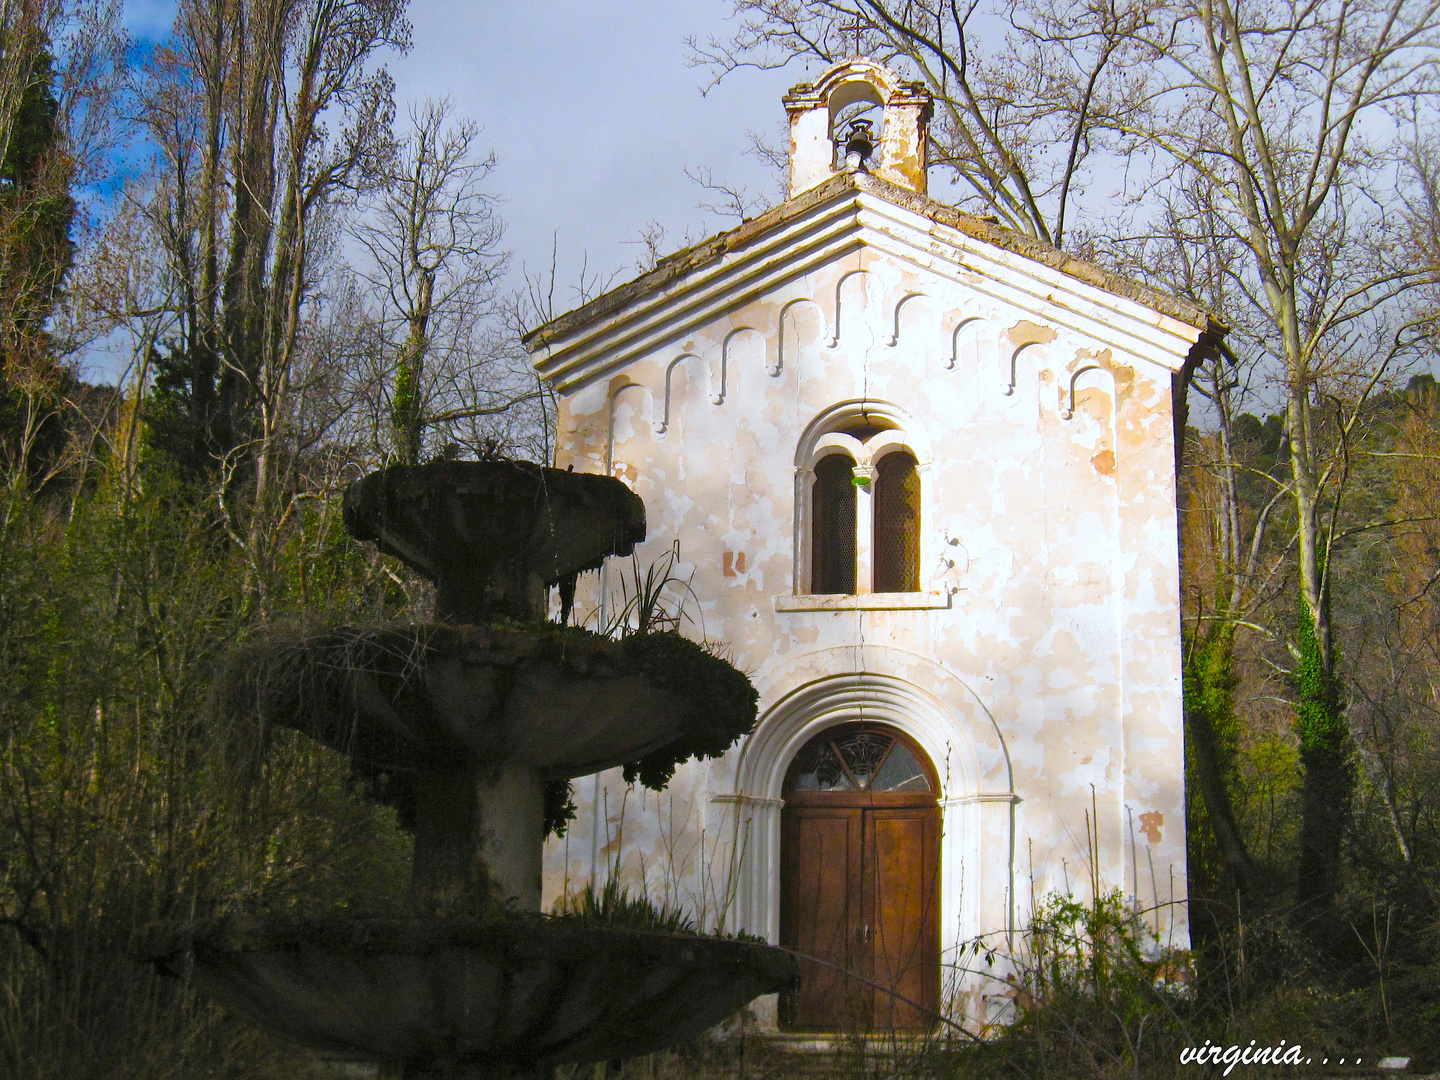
(919, 474)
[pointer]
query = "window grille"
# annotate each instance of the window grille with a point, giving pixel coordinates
(855, 758)
(897, 524)
(832, 536)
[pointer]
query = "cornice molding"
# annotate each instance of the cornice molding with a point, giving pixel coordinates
(630, 323)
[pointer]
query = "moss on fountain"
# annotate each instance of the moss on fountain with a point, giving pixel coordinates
(333, 685)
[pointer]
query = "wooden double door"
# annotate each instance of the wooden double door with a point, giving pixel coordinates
(859, 883)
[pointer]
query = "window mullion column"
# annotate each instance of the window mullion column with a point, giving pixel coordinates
(865, 534)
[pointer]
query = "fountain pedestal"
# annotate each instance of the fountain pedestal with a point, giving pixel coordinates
(461, 725)
(493, 536)
(474, 835)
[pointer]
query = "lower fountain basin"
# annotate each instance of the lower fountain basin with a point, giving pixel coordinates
(480, 998)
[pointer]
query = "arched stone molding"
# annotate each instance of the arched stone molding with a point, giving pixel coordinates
(843, 83)
(867, 454)
(662, 423)
(911, 311)
(931, 704)
(1034, 353)
(787, 341)
(969, 339)
(623, 391)
(856, 281)
(1096, 373)
(743, 341)
(868, 409)
(917, 694)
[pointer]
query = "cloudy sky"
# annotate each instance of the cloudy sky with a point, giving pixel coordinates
(591, 110)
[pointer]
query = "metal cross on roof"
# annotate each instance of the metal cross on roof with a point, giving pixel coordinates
(857, 27)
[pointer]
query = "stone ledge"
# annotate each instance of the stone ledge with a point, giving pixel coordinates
(891, 601)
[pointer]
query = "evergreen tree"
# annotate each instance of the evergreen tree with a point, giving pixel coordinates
(37, 212)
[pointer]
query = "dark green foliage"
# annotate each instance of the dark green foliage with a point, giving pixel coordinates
(406, 420)
(1214, 844)
(1319, 716)
(36, 203)
(36, 215)
(559, 807)
(124, 803)
(1082, 988)
(180, 417)
(1210, 683)
(723, 703)
(1266, 439)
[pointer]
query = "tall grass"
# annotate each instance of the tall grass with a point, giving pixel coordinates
(125, 803)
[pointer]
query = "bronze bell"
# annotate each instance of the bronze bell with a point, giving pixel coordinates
(859, 140)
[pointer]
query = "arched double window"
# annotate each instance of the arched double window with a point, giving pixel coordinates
(864, 510)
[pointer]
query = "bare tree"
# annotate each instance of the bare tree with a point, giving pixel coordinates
(433, 236)
(1269, 108)
(1024, 92)
(267, 113)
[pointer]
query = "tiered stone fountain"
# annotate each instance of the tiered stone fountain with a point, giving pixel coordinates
(465, 725)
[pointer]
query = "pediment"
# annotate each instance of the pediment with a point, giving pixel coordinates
(937, 245)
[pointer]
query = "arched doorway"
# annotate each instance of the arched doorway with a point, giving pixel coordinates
(859, 882)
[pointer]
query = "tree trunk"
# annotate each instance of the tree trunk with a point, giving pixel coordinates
(1327, 783)
(407, 412)
(1209, 707)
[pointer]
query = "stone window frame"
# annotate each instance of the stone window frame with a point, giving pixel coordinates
(824, 437)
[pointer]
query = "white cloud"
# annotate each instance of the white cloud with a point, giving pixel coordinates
(594, 115)
(149, 18)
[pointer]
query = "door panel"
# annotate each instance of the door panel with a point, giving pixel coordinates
(859, 883)
(821, 872)
(902, 899)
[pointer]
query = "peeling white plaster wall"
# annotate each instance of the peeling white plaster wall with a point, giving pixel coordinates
(1044, 677)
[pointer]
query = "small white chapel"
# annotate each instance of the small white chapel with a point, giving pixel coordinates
(920, 473)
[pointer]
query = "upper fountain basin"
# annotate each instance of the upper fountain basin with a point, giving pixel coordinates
(493, 534)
